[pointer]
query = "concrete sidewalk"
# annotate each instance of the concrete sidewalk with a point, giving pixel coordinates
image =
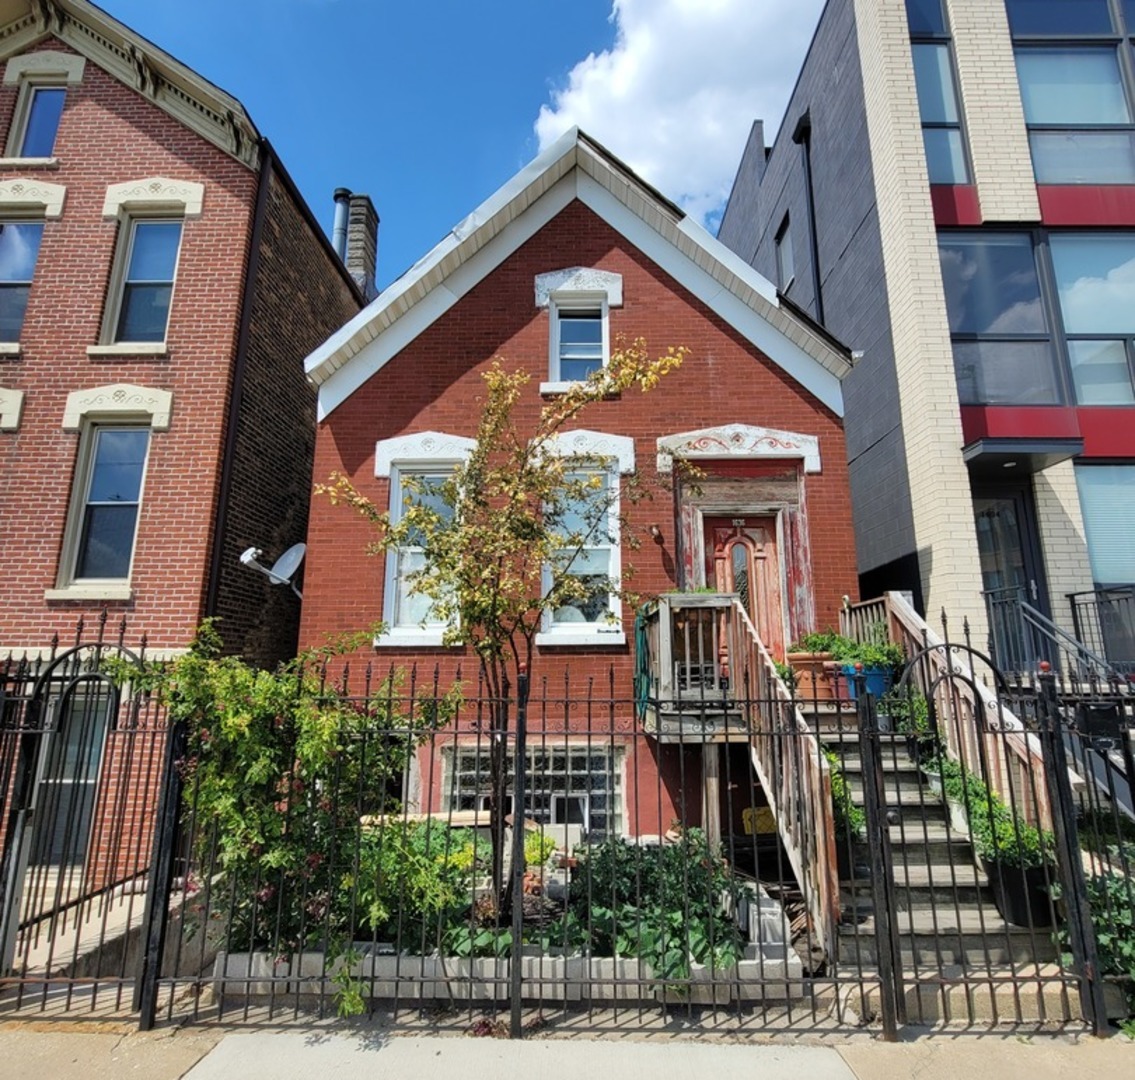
(60, 1052)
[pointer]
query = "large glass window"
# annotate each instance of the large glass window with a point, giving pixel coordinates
(19, 250)
(40, 111)
(1078, 115)
(1095, 278)
(1107, 498)
(112, 497)
(410, 608)
(585, 523)
(1061, 18)
(1002, 349)
(147, 281)
(937, 95)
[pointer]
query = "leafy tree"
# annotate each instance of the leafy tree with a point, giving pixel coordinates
(503, 536)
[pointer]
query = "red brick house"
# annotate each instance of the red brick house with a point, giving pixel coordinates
(569, 256)
(161, 280)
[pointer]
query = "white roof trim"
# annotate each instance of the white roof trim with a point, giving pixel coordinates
(595, 446)
(741, 441)
(572, 168)
(420, 448)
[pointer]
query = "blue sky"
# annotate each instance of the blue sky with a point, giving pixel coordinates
(428, 107)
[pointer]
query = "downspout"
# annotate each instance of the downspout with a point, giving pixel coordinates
(802, 136)
(236, 395)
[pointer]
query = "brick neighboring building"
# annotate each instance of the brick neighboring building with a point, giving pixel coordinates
(147, 191)
(577, 250)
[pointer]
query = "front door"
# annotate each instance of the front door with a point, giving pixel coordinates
(1012, 570)
(741, 556)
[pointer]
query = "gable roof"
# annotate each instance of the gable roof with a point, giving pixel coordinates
(577, 167)
(173, 86)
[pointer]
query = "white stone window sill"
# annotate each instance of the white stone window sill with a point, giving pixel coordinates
(29, 163)
(108, 590)
(126, 348)
(411, 637)
(9, 348)
(590, 638)
(557, 387)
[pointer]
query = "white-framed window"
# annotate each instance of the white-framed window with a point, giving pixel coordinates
(589, 524)
(567, 784)
(115, 425)
(42, 78)
(429, 457)
(579, 337)
(19, 251)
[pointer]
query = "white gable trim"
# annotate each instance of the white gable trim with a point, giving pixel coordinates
(421, 448)
(595, 446)
(738, 441)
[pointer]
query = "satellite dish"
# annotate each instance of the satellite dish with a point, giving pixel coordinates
(283, 569)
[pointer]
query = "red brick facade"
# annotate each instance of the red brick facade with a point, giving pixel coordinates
(110, 134)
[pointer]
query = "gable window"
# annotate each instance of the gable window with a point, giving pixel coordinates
(149, 267)
(19, 250)
(40, 123)
(42, 78)
(785, 262)
(578, 302)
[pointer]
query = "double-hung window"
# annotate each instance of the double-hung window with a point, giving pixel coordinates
(19, 250)
(42, 78)
(579, 301)
(1075, 93)
(937, 93)
(143, 295)
(1003, 350)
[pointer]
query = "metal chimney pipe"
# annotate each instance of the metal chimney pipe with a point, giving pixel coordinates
(339, 230)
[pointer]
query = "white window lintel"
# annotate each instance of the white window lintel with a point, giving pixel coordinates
(595, 446)
(46, 64)
(11, 407)
(118, 401)
(738, 441)
(423, 447)
(560, 284)
(36, 197)
(155, 194)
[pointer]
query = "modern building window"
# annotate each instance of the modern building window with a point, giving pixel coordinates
(1060, 18)
(579, 338)
(19, 250)
(937, 93)
(143, 288)
(38, 112)
(785, 261)
(1095, 279)
(1078, 113)
(1003, 352)
(588, 523)
(113, 464)
(408, 608)
(1107, 499)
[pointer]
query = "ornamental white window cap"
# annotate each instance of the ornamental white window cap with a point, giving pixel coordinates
(185, 197)
(47, 62)
(32, 197)
(595, 446)
(741, 442)
(118, 401)
(422, 447)
(579, 279)
(11, 406)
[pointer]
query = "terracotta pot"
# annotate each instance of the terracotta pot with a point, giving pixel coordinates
(814, 671)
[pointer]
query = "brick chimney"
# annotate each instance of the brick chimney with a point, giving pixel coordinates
(362, 243)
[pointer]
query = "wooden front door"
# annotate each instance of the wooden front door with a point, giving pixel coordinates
(742, 557)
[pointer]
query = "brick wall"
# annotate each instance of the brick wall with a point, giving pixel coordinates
(435, 384)
(110, 134)
(300, 297)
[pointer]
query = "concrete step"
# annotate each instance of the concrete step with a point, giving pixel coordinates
(925, 885)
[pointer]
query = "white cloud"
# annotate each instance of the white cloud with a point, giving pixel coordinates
(677, 93)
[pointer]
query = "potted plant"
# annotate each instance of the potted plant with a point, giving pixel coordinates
(908, 712)
(876, 661)
(813, 662)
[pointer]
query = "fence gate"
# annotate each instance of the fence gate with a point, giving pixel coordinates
(988, 849)
(80, 762)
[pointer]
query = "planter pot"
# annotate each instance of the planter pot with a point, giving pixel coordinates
(922, 748)
(878, 680)
(815, 676)
(1021, 895)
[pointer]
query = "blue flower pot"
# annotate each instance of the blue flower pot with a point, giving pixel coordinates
(878, 680)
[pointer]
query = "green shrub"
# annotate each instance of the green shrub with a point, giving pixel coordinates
(908, 709)
(538, 848)
(849, 819)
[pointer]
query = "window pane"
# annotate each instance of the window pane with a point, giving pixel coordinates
(410, 608)
(116, 473)
(1107, 498)
(1006, 373)
(427, 495)
(107, 540)
(13, 304)
(44, 112)
(145, 313)
(1083, 157)
(1129, 15)
(925, 17)
(593, 569)
(1096, 279)
(991, 285)
(1059, 16)
(945, 159)
(19, 249)
(1071, 86)
(1100, 372)
(153, 255)
(587, 517)
(935, 81)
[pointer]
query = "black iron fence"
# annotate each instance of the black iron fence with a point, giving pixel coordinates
(388, 842)
(1104, 621)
